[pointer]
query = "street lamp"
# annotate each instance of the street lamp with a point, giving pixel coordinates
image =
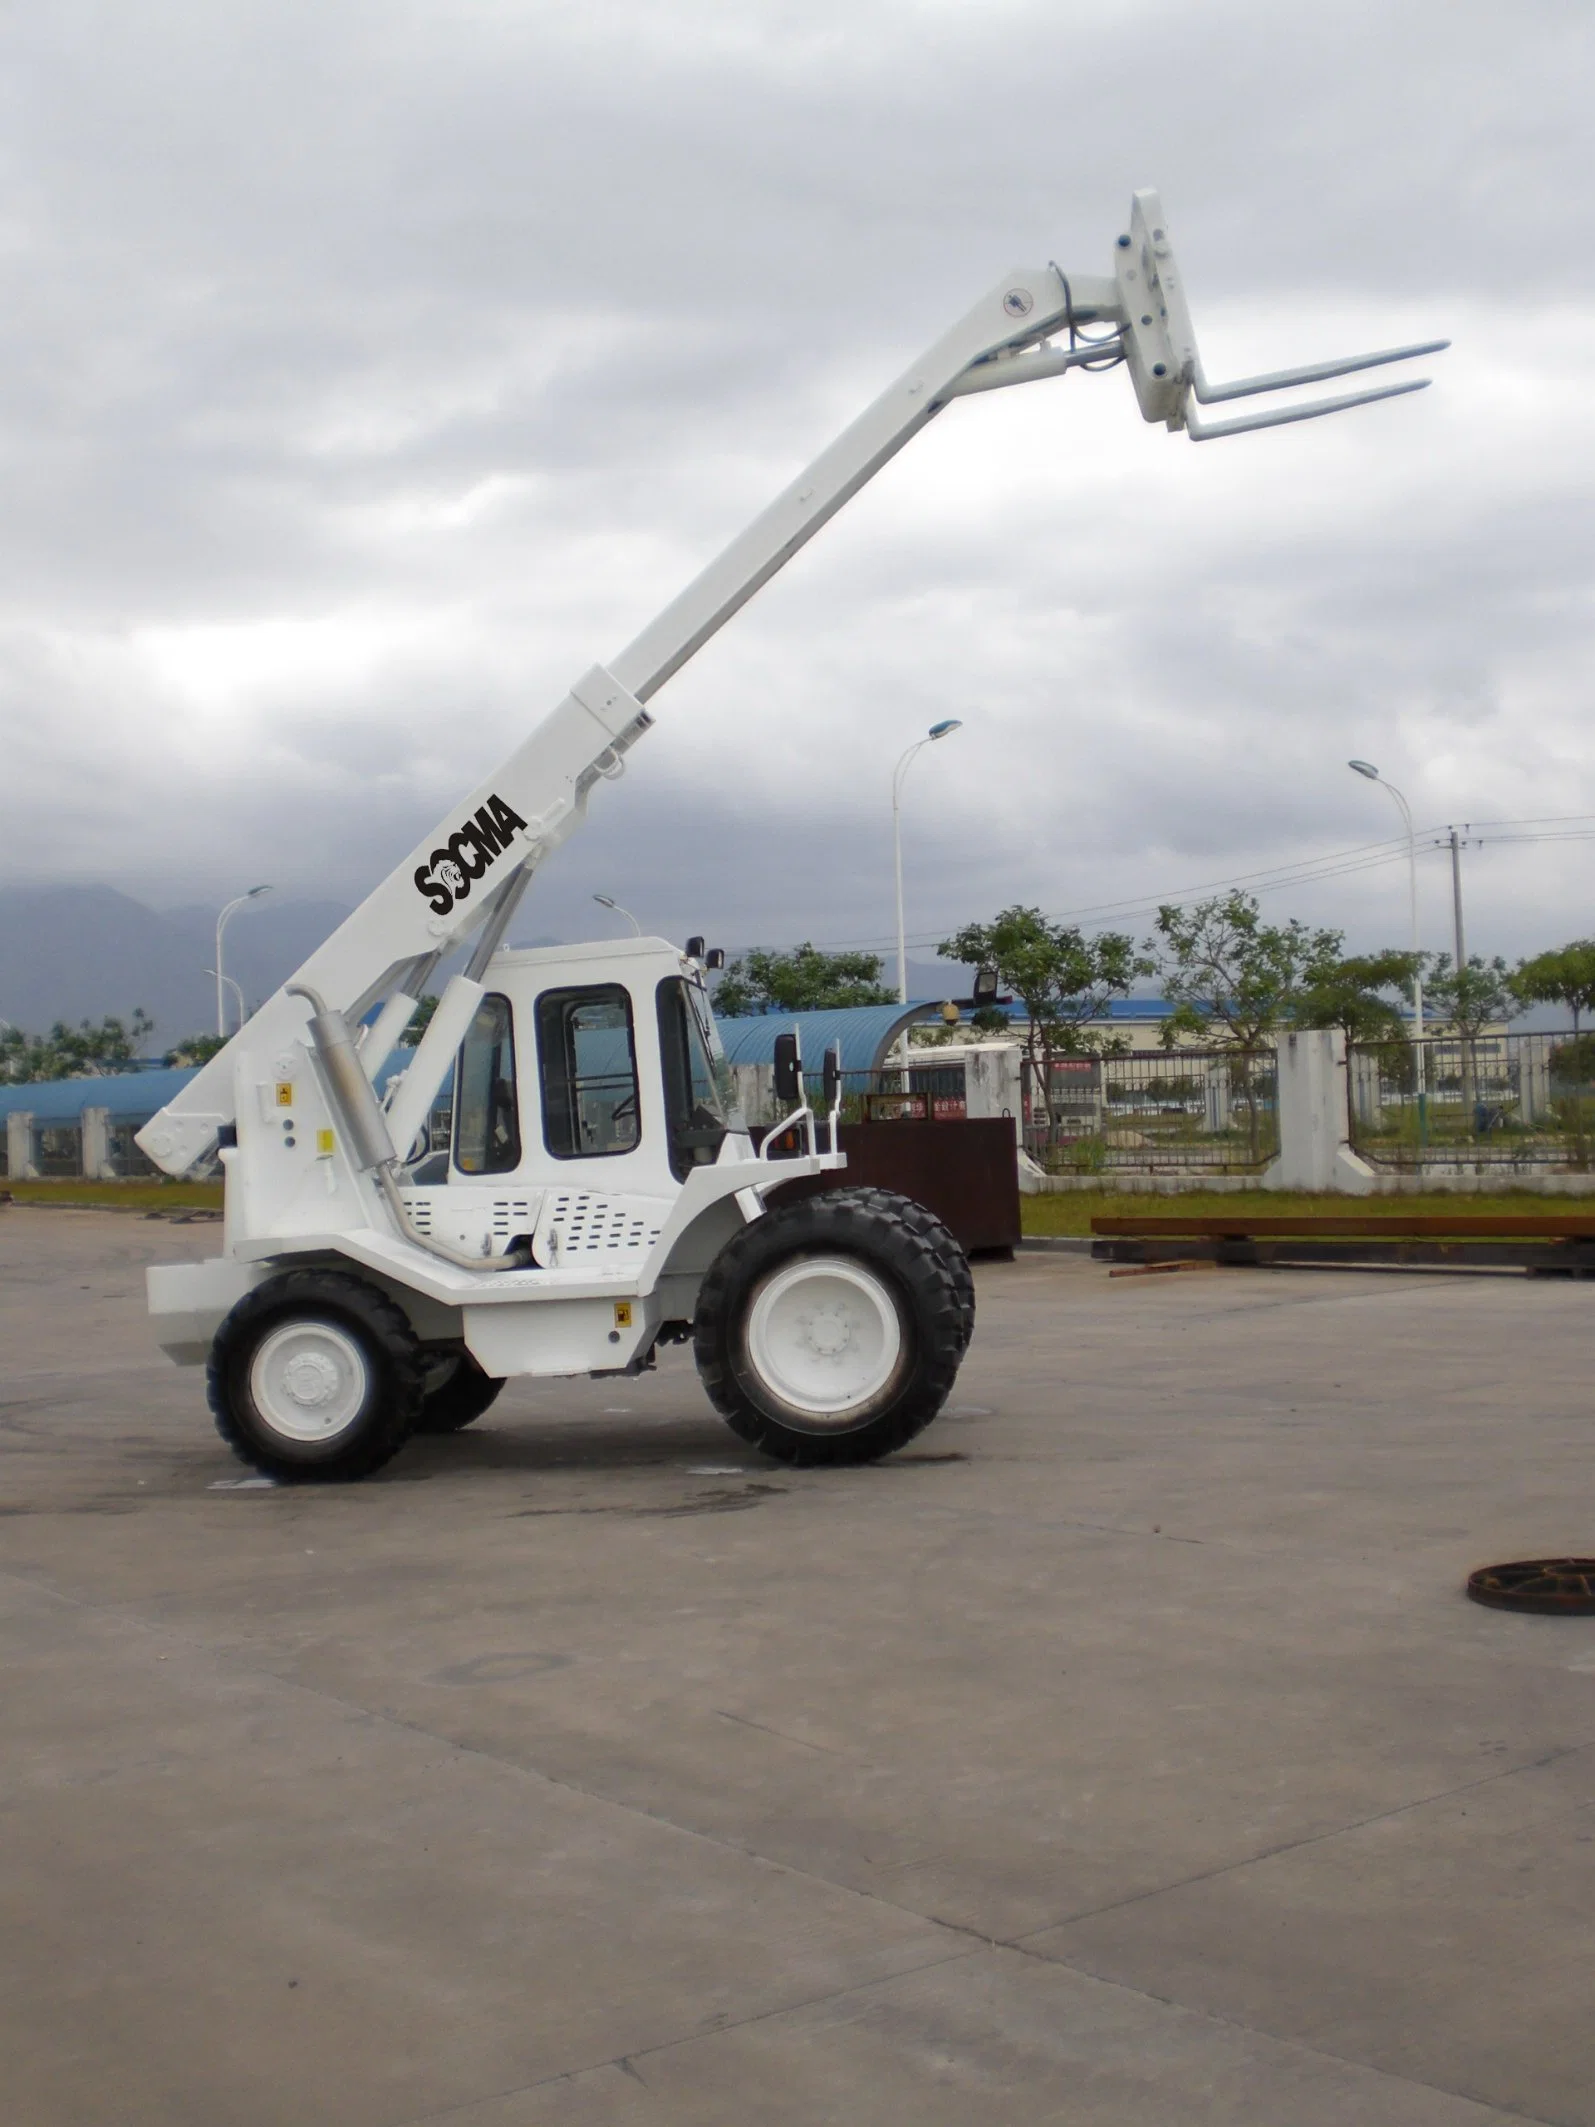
(243, 1010)
(608, 901)
(1367, 768)
(253, 894)
(943, 730)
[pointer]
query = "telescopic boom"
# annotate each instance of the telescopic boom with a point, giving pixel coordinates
(469, 874)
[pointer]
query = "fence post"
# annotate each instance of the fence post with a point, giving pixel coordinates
(1215, 1097)
(1367, 1096)
(19, 1146)
(1534, 1077)
(96, 1143)
(755, 1084)
(1314, 1148)
(991, 1085)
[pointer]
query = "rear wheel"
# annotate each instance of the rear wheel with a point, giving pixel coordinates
(830, 1331)
(315, 1375)
(455, 1392)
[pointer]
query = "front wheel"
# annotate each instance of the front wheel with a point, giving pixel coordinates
(831, 1330)
(315, 1374)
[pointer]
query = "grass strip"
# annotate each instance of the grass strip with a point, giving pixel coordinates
(71, 1195)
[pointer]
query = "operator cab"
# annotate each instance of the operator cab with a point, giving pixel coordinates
(590, 1084)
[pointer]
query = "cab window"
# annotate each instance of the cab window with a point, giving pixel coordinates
(699, 1100)
(487, 1124)
(588, 1060)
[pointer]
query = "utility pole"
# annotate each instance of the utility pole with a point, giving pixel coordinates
(1456, 898)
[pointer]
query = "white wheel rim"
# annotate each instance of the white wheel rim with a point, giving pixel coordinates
(309, 1380)
(824, 1336)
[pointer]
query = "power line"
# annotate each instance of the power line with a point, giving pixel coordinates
(1332, 864)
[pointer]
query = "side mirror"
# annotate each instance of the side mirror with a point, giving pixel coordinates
(694, 948)
(985, 987)
(714, 959)
(833, 1074)
(788, 1069)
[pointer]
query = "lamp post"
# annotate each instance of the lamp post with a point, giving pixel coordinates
(1367, 768)
(253, 894)
(608, 901)
(243, 1010)
(943, 730)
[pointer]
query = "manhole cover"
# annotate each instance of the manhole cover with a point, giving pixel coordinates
(1563, 1586)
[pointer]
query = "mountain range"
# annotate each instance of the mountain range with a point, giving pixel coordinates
(82, 952)
(85, 952)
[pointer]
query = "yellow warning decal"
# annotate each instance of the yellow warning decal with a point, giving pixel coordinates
(324, 1144)
(622, 1314)
(285, 1093)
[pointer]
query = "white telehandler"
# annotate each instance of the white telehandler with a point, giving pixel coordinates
(600, 1193)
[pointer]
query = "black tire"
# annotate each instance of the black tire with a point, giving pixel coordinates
(909, 1271)
(455, 1392)
(364, 1330)
(941, 1238)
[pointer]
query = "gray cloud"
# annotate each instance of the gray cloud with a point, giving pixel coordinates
(369, 373)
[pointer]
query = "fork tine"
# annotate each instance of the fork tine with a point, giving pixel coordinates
(1201, 431)
(1312, 373)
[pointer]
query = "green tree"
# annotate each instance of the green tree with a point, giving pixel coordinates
(1235, 980)
(1352, 995)
(1563, 976)
(1473, 998)
(1481, 995)
(803, 980)
(1572, 1063)
(420, 1022)
(1064, 980)
(197, 1049)
(83, 1051)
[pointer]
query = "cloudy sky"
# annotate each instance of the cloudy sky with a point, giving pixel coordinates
(369, 371)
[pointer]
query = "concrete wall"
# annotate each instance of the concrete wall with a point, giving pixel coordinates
(97, 1144)
(1534, 1081)
(1314, 1143)
(755, 1084)
(991, 1083)
(19, 1146)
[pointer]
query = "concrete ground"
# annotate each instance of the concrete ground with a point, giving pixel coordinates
(1124, 1753)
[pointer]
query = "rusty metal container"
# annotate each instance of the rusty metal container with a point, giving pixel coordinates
(963, 1171)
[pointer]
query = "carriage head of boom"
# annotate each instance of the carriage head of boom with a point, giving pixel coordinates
(1160, 351)
(1138, 316)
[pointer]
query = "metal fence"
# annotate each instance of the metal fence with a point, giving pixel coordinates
(1507, 1101)
(1155, 1111)
(58, 1149)
(123, 1156)
(1148, 1111)
(933, 1092)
